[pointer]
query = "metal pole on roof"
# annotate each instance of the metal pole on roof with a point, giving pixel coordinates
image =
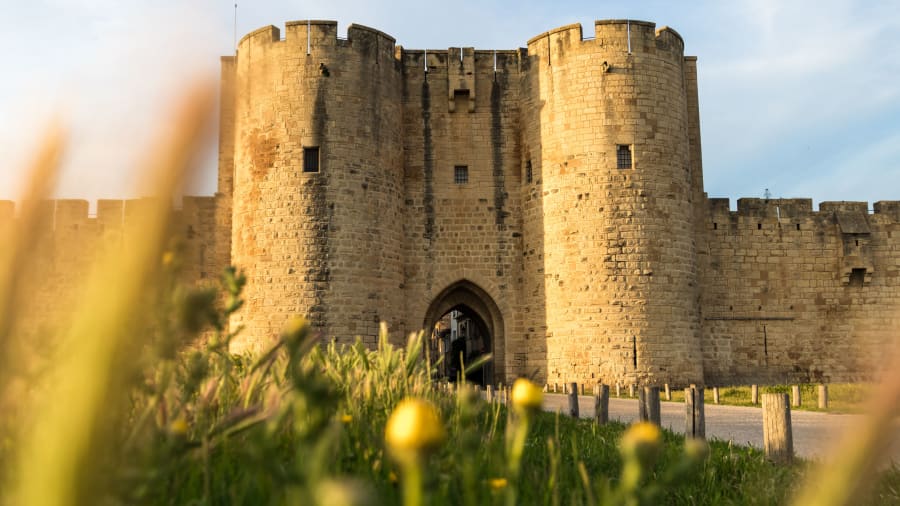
(628, 29)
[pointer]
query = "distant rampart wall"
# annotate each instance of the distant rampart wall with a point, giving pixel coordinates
(793, 294)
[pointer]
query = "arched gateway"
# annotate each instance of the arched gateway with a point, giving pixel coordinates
(463, 318)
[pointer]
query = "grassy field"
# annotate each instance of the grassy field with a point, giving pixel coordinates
(842, 397)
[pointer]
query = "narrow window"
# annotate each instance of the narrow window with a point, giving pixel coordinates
(311, 159)
(461, 174)
(759, 226)
(798, 226)
(529, 173)
(857, 277)
(715, 226)
(623, 156)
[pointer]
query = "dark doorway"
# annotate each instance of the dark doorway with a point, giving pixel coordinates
(459, 338)
(464, 319)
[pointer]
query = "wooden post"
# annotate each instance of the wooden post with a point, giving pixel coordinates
(618, 389)
(795, 396)
(489, 393)
(777, 437)
(754, 394)
(694, 413)
(650, 405)
(716, 395)
(631, 390)
(601, 404)
(823, 396)
(573, 400)
(642, 405)
(668, 393)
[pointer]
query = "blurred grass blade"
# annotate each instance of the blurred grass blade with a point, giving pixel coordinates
(861, 451)
(60, 456)
(478, 363)
(19, 252)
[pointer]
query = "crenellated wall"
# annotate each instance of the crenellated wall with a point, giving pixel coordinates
(796, 294)
(71, 240)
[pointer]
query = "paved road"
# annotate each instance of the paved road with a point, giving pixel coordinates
(813, 432)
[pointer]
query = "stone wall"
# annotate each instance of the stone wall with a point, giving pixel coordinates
(71, 241)
(797, 295)
(464, 112)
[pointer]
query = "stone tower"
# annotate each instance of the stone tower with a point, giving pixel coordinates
(318, 180)
(568, 229)
(607, 139)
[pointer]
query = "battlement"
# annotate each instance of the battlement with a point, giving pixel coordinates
(800, 208)
(74, 213)
(321, 36)
(501, 60)
(629, 37)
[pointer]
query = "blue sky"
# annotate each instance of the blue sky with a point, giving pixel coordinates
(800, 97)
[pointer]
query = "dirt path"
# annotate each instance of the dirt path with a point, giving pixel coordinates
(813, 432)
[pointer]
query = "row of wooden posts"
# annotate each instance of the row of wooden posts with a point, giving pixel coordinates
(796, 399)
(776, 410)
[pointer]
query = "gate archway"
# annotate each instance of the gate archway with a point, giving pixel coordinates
(463, 318)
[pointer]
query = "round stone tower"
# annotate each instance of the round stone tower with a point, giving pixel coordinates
(606, 133)
(318, 180)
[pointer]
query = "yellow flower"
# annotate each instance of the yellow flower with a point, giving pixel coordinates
(392, 477)
(497, 483)
(526, 396)
(642, 441)
(167, 258)
(696, 450)
(295, 326)
(414, 429)
(178, 427)
(345, 419)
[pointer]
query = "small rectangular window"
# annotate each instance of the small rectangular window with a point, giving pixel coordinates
(461, 174)
(529, 173)
(311, 159)
(623, 156)
(857, 277)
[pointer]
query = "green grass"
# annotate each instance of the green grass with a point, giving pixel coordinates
(842, 397)
(304, 424)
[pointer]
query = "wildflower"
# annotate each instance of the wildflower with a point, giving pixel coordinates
(178, 427)
(295, 326)
(642, 441)
(414, 429)
(167, 258)
(696, 450)
(343, 492)
(392, 477)
(345, 419)
(526, 396)
(497, 483)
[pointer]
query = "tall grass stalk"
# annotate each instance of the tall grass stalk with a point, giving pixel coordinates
(73, 413)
